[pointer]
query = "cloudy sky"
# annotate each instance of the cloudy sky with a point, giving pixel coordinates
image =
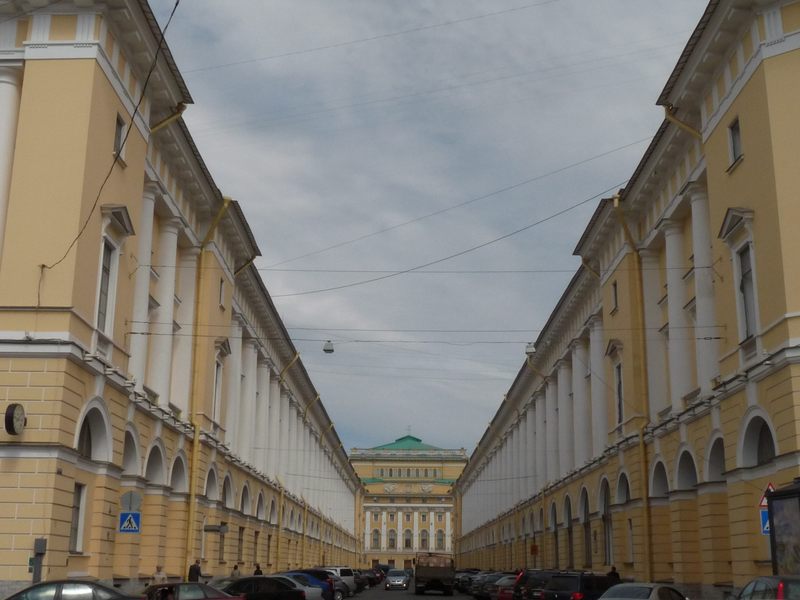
(364, 138)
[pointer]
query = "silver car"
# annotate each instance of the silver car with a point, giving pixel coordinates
(397, 579)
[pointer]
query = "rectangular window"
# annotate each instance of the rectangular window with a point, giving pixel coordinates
(391, 472)
(426, 472)
(424, 517)
(221, 292)
(240, 541)
(105, 284)
(618, 390)
(735, 141)
(747, 291)
(614, 296)
(217, 391)
(408, 517)
(221, 548)
(76, 525)
(255, 545)
(439, 517)
(119, 137)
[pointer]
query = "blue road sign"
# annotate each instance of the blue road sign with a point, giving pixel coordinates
(131, 522)
(764, 521)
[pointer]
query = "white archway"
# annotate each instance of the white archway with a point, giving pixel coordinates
(130, 453)
(178, 478)
(155, 471)
(227, 492)
(212, 485)
(93, 435)
(659, 484)
(757, 445)
(686, 472)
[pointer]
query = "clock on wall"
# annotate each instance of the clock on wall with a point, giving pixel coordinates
(15, 418)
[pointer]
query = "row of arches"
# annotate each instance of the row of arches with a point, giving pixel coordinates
(94, 442)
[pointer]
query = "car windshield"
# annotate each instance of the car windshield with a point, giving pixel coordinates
(561, 583)
(506, 581)
(396, 573)
(628, 591)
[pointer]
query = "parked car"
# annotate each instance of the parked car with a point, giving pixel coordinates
(396, 579)
(360, 580)
(340, 588)
(483, 590)
(569, 585)
(642, 591)
(371, 577)
(311, 592)
(502, 589)
(183, 591)
(321, 575)
(531, 583)
(325, 586)
(477, 581)
(771, 587)
(74, 590)
(259, 587)
(346, 573)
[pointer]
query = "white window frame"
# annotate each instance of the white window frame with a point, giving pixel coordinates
(218, 375)
(80, 494)
(120, 127)
(735, 151)
(619, 392)
(111, 299)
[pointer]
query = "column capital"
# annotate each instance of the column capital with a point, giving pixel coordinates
(11, 74)
(251, 343)
(670, 227)
(696, 191)
(595, 321)
(648, 254)
(190, 252)
(171, 225)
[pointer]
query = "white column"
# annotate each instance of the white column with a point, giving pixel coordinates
(301, 453)
(233, 383)
(518, 467)
(552, 426)
(308, 449)
(184, 315)
(581, 416)
(415, 519)
(10, 84)
(247, 405)
(656, 350)
(141, 288)
(384, 541)
(273, 435)
(508, 479)
(448, 542)
(367, 529)
(291, 447)
(530, 451)
(541, 441)
(160, 359)
(283, 436)
(565, 435)
(525, 459)
(706, 331)
(680, 370)
(431, 531)
(598, 386)
(261, 438)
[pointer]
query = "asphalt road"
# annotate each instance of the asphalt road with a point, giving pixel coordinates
(379, 593)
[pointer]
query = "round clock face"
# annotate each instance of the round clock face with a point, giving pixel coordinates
(15, 419)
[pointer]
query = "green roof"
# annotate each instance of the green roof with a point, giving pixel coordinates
(407, 442)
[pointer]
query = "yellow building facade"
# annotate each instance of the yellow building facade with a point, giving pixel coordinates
(162, 412)
(407, 503)
(661, 398)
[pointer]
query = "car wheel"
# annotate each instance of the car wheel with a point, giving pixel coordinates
(337, 595)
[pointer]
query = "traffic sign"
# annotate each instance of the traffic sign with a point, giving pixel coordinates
(763, 502)
(130, 522)
(764, 521)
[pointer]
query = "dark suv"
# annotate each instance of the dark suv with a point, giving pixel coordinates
(531, 583)
(576, 585)
(771, 587)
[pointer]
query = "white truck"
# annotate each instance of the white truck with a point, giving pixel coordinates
(434, 572)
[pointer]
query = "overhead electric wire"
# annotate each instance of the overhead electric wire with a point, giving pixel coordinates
(457, 254)
(370, 38)
(462, 204)
(123, 141)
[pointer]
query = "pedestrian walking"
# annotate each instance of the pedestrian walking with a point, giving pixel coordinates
(258, 570)
(613, 575)
(159, 576)
(235, 573)
(195, 571)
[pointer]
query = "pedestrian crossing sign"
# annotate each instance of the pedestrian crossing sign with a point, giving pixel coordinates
(764, 521)
(130, 522)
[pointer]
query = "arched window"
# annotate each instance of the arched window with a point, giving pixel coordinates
(212, 489)
(759, 445)
(587, 529)
(178, 479)
(423, 539)
(273, 512)
(408, 539)
(260, 507)
(439, 539)
(227, 493)
(392, 539)
(623, 489)
(554, 531)
(660, 486)
(376, 539)
(568, 524)
(608, 532)
(244, 505)
(154, 472)
(130, 456)
(93, 437)
(687, 473)
(716, 461)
